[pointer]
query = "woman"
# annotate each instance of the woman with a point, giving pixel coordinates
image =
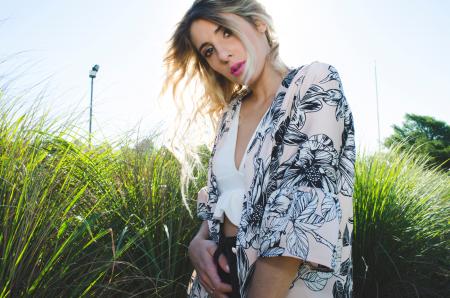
(277, 208)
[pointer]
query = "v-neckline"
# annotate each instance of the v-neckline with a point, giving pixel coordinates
(237, 114)
(239, 169)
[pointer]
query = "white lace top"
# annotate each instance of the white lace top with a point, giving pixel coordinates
(230, 181)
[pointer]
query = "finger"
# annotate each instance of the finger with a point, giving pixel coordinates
(217, 282)
(211, 271)
(206, 283)
(223, 263)
(219, 295)
(211, 250)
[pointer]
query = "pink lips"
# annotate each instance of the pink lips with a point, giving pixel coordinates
(237, 68)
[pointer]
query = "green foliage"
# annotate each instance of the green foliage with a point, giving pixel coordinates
(401, 238)
(155, 222)
(79, 221)
(428, 135)
(109, 221)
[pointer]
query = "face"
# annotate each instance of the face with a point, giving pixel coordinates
(225, 52)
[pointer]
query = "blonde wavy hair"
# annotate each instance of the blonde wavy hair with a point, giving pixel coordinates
(209, 92)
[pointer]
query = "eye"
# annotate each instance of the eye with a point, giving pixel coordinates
(208, 52)
(227, 32)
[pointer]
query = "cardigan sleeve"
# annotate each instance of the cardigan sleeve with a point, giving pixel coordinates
(202, 199)
(302, 216)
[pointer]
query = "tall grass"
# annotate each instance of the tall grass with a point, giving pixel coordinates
(77, 221)
(401, 217)
(108, 220)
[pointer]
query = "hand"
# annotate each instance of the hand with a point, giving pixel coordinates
(201, 253)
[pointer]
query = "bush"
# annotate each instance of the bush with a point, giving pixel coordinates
(401, 228)
(80, 221)
(108, 221)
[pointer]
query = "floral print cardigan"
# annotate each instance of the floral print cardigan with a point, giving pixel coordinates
(299, 171)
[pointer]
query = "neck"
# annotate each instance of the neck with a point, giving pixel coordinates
(266, 86)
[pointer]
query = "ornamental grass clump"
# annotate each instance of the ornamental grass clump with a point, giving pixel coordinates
(401, 239)
(80, 220)
(108, 220)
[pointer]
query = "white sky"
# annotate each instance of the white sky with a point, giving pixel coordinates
(410, 40)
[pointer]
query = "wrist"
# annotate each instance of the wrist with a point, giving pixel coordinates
(199, 237)
(203, 233)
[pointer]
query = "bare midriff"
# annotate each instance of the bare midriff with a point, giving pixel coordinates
(229, 229)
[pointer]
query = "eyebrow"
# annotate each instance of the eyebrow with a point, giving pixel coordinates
(205, 43)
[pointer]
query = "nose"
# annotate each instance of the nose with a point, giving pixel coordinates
(224, 54)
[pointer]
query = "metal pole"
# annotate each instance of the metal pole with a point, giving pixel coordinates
(90, 114)
(92, 75)
(378, 112)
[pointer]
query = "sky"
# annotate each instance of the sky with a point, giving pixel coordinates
(50, 46)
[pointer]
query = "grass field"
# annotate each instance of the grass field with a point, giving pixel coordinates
(108, 221)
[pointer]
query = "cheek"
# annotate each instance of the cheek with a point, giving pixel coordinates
(219, 67)
(239, 49)
(214, 63)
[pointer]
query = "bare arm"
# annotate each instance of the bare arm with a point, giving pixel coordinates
(273, 276)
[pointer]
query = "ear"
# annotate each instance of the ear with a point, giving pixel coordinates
(260, 25)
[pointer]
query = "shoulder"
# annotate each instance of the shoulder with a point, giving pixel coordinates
(319, 68)
(321, 76)
(311, 73)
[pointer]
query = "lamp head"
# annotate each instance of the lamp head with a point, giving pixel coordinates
(94, 70)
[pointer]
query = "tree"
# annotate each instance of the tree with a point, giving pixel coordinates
(427, 135)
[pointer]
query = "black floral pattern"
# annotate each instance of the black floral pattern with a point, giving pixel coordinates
(300, 170)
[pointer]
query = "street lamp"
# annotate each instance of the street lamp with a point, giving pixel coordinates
(92, 75)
